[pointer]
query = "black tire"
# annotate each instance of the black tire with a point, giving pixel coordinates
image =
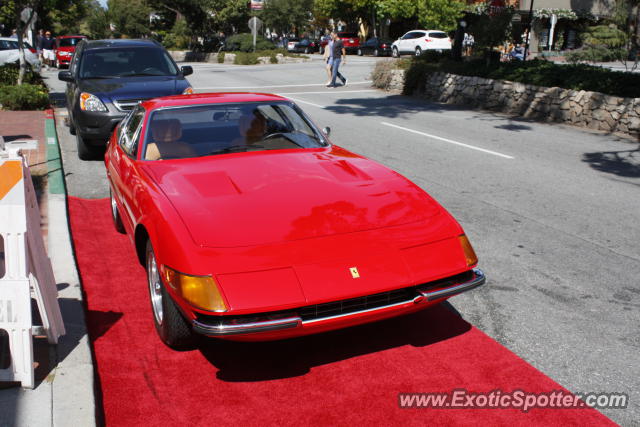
(84, 151)
(376, 52)
(115, 215)
(172, 328)
(395, 53)
(359, 52)
(418, 51)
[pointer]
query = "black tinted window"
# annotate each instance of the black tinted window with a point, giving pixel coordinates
(348, 35)
(69, 42)
(438, 35)
(135, 61)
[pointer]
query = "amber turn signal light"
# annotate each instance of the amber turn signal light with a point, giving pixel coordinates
(199, 291)
(469, 253)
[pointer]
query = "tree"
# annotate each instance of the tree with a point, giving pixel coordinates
(23, 14)
(96, 25)
(129, 17)
(67, 15)
(286, 15)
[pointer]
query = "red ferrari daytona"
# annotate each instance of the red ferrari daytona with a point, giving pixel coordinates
(253, 226)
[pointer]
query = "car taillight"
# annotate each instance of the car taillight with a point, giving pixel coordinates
(32, 50)
(384, 46)
(428, 40)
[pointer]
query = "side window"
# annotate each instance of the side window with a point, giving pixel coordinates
(130, 133)
(74, 61)
(407, 36)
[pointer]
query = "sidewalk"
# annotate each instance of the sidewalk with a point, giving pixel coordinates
(64, 391)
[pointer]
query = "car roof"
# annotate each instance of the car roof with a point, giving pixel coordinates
(71, 37)
(115, 43)
(210, 98)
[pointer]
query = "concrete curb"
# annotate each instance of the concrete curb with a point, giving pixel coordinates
(72, 381)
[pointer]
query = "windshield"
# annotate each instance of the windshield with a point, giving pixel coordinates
(69, 42)
(206, 130)
(123, 62)
(13, 44)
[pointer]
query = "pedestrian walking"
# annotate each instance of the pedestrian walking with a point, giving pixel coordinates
(47, 46)
(338, 56)
(467, 44)
(327, 56)
(39, 38)
(14, 34)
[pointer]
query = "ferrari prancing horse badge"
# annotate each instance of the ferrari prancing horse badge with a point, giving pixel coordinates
(354, 272)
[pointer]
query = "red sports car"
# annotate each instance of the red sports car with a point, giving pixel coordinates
(253, 226)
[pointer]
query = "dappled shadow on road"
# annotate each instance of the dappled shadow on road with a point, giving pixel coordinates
(390, 107)
(625, 163)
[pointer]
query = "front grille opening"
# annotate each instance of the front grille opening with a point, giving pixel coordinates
(343, 307)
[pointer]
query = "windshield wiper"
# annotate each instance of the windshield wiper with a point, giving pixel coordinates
(233, 149)
(141, 74)
(100, 77)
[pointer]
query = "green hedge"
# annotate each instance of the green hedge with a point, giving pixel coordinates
(24, 97)
(536, 72)
(9, 75)
(244, 43)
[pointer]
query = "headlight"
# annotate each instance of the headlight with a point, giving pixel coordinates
(90, 102)
(188, 91)
(199, 291)
(469, 253)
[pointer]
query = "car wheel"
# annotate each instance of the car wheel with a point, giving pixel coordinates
(394, 52)
(376, 52)
(85, 152)
(359, 52)
(115, 215)
(418, 51)
(170, 325)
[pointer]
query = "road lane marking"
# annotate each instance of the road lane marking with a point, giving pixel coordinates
(450, 141)
(327, 92)
(306, 102)
(270, 86)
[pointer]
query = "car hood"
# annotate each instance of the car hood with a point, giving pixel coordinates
(247, 199)
(134, 87)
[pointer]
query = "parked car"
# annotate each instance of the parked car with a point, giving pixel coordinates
(65, 47)
(253, 226)
(350, 40)
(375, 46)
(324, 40)
(306, 46)
(291, 43)
(107, 79)
(9, 53)
(417, 41)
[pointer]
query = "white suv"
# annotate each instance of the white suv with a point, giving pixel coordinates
(417, 41)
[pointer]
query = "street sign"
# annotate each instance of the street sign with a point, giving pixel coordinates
(257, 4)
(255, 24)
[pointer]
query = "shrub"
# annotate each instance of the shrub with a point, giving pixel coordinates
(382, 73)
(246, 58)
(24, 97)
(9, 75)
(221, 57)
(244, 43)
(536, 72)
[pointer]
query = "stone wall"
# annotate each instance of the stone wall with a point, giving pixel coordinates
(592, 110)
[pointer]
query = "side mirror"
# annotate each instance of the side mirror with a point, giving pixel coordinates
(326, 130)
(65, 76)
(186, 70)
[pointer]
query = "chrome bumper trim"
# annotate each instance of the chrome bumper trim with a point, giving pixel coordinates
(294, 321)
(246, 328)
(478, 280)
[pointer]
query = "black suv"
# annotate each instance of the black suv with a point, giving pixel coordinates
(107, 79)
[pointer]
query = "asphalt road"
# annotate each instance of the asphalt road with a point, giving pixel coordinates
(553, 212)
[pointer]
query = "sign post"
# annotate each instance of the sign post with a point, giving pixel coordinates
(255, 24)
(554, 21)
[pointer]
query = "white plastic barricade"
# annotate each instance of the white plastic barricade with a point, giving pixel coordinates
(23, 261)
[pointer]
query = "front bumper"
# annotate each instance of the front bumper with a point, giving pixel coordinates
(294, 323)
(96, 127)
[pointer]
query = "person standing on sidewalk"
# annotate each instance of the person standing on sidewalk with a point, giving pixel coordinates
(339, 55)
(47, 45)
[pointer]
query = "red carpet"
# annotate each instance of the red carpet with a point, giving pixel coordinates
(349, 377)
